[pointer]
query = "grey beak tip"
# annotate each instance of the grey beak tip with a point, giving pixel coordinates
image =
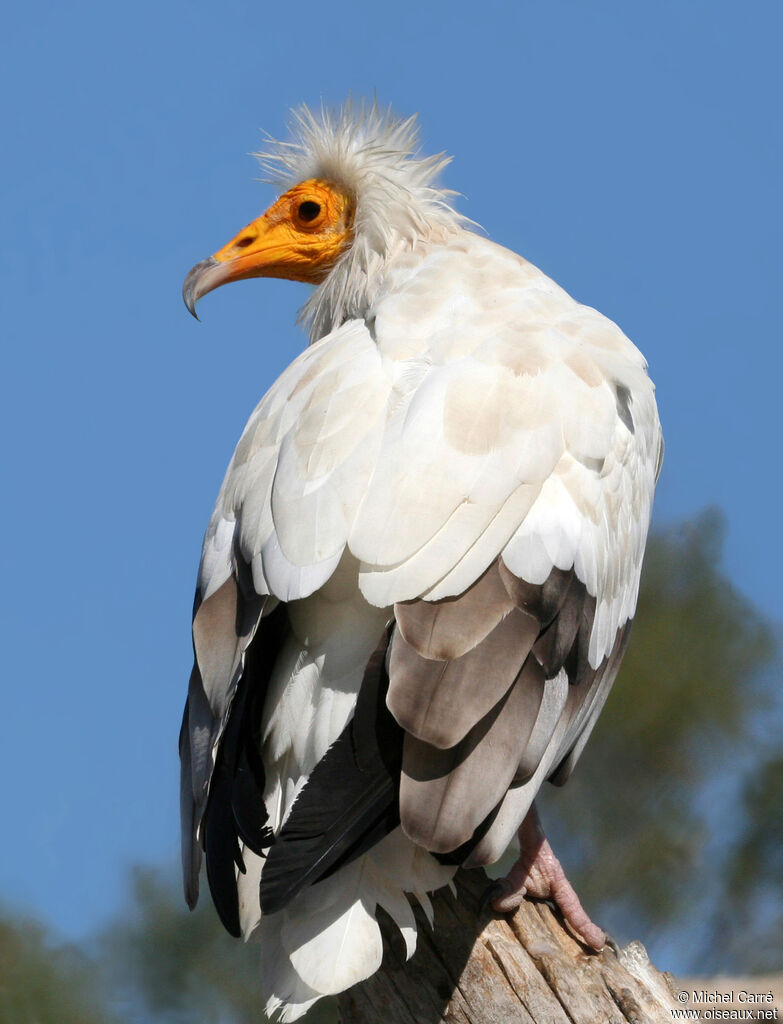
(191, 292)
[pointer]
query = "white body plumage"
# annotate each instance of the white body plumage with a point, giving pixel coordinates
(456, 408)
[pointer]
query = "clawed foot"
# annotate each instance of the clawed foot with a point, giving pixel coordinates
(538, 873)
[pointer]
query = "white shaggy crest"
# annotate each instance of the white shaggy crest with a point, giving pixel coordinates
(373, 154)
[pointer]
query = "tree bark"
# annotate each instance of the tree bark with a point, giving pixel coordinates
(525, 968)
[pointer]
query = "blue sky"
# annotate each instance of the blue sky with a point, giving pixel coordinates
(631, 150)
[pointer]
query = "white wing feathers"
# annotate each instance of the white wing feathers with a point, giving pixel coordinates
(518, 423)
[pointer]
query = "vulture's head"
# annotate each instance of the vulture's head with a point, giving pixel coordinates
(356, 194)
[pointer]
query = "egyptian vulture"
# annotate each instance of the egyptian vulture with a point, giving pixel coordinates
(418, 581)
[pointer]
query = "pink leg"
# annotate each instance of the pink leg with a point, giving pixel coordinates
(539, 873)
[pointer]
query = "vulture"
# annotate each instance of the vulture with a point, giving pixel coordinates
(417, 584)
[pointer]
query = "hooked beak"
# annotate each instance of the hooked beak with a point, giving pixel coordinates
(251, 253)
(276, 244)
(202, 278)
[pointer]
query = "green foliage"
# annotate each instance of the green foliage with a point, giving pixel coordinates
(42, 982)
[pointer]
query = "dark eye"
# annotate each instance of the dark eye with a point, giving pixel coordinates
(308, 210)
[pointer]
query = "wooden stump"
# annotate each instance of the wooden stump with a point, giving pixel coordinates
(476, 968)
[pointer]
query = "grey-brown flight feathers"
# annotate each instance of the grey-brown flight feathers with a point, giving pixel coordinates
(471, 715)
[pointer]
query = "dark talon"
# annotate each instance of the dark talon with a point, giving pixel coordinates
(492, 892)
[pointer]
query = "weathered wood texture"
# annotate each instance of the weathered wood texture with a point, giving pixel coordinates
(475, 968)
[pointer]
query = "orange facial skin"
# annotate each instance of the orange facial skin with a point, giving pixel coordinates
(300, 237)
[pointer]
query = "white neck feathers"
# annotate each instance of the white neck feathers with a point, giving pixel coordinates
(374, 156)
